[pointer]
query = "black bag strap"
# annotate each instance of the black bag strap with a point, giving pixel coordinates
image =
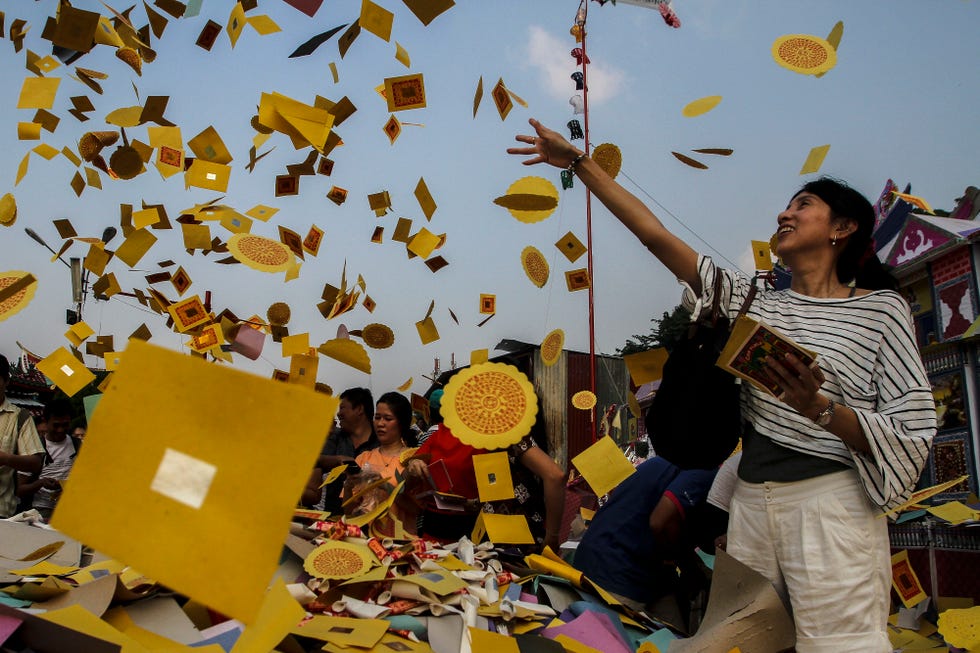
(716, 313)
(22, 417)
(747, 302)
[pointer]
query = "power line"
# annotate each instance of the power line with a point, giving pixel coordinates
(681, 223)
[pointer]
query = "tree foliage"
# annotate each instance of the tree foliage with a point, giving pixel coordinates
(666, 331)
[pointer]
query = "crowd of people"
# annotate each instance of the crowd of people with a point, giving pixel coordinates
(388, 441)
(36, 453)
(800, 504)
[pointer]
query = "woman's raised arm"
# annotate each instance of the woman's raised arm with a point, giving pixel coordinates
(548, 146)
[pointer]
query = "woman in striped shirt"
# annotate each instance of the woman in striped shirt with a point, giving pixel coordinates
(848, 438)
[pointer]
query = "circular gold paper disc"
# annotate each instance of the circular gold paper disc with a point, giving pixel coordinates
(260, 253)
(489, 406)
(804, 54)
(336, 559)
(535, 266)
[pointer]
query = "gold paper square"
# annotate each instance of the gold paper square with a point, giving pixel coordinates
(577, 279)
(130, 498)
(603, 465)
(405, 92)
(188, 313)
(571, 247)
(66, 371)
(424, 198)
(493, 479)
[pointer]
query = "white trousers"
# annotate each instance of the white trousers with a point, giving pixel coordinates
(825, 548)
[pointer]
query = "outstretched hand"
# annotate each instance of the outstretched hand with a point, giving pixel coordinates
(547, 146)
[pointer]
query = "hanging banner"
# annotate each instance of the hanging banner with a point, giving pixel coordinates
(649, 4)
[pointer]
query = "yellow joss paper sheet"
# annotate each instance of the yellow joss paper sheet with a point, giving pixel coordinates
(483, 641)
(905, 581)
(493, 479)
(547, 565)
(66, 371)
(164, 502)
(279, 615)
(79, 619)
(603, 465)
(646, 366)
(506, 529)
(343, 631)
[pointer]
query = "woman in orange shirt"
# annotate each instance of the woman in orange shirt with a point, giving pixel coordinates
(393, 426)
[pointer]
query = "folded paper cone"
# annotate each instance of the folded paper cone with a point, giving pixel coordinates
(132, 59)
(91, 143)
(147, 53)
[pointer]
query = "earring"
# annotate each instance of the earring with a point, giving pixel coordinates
(833, 241)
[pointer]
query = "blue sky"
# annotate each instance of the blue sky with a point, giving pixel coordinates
(901, 103)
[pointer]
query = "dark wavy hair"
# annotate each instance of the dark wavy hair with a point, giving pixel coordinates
(360, 397)
(58, 407)
(857, 261)
(402, 408)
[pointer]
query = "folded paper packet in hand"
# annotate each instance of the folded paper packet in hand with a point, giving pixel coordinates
(750, 344)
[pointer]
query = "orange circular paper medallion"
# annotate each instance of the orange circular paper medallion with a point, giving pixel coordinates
(378, 336)
(551, 347)
(609, 158)
(20, 299)
(584, 400)
(804, 53)
(489, 406)
(535, 265)
(278, 313)
(336, 559)
(260, 253)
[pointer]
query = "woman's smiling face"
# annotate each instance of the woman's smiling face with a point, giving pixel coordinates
(805, 223)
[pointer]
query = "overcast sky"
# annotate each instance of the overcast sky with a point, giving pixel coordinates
(901, 103)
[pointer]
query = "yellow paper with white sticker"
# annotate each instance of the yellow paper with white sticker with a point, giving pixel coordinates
(66, 371)
(166, 503)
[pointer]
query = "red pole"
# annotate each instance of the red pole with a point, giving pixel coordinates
(588, 226)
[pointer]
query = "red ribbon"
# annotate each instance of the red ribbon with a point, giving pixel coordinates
(580, 57)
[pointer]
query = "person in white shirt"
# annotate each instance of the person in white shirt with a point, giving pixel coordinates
(845, 439)
(44, 488)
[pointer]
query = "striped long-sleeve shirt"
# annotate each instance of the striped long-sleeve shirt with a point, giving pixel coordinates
(867, 352)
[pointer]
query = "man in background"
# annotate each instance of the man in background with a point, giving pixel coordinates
(44, 488)
(355, 436)
(20, 446)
